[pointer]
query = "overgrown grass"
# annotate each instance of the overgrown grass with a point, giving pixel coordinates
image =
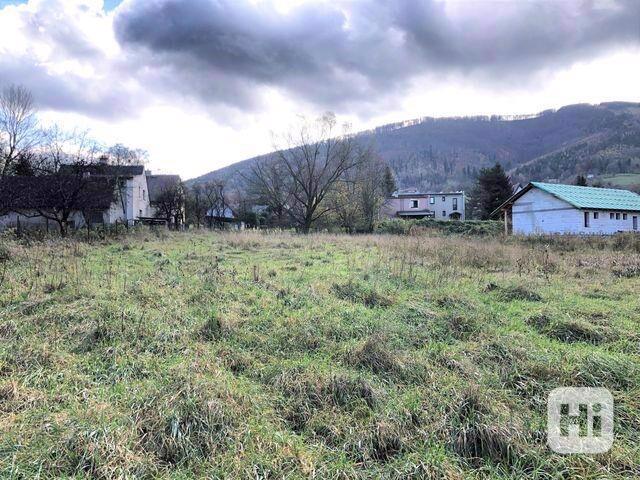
(263, 355)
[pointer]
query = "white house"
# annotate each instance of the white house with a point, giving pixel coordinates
(548, 208)
(412, 204)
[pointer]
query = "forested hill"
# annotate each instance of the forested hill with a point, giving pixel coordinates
(446, 153)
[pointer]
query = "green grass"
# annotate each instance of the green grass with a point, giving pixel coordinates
(621, 180)
(253, 355)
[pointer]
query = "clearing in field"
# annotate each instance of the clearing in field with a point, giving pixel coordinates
(255, 355)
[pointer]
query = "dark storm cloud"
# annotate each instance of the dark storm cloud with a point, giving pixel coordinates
(67, 93)
(340, 53)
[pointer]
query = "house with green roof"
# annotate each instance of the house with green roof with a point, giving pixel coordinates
(549, 208)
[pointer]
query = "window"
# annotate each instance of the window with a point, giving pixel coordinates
(444, 213)
(432, 200)
(95, 217)
(414, 203)
(586, 219)
(617, 216)
(144, 194)
(140, 214)
(624, 216)
(455, 204)
(595, 215)
(444, 199)
(611, 216)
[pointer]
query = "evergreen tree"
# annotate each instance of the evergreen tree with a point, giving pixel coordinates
(492, 188)
(581, 181)
(389, 181)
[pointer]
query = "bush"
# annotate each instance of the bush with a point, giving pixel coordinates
(470, 227)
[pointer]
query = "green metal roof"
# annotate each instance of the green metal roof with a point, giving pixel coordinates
(592, 197)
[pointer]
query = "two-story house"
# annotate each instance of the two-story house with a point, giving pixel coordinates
(132, 192)
(413, 204)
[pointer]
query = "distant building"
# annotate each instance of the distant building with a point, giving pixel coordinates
(224, 217)
(547, 208)
(413, 204)
(131, 188)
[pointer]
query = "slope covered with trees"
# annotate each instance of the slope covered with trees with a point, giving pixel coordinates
(448, 153)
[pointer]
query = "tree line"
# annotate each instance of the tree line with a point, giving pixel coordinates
(30, 149)
(319, 175)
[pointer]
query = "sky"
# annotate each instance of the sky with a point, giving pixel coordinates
(201, 84)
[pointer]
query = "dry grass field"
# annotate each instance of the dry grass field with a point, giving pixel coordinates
(272, 355)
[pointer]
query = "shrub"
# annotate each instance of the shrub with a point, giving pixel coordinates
(468, 227)
(374, 355)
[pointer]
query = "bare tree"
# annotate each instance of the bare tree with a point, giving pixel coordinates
(19, 132)
(269, 183)
(58, 193)
(373, 189)
(197, 204)
(120, 154)
(170, 205)
(360, 194)
(63, 195)
(345, 201)
(62, 147)
(315, 156)
(217, 202)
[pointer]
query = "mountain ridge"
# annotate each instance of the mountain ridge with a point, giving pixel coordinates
(446, 153)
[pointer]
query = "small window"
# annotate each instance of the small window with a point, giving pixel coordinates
(140, 214)
(432, 200)
(595, 215)
(444, 199)
(414, 203)
(444, 213)
(586, 219)
(624, 216)
(611, 216)
(455, 204)
(144, 194)
(617, 216)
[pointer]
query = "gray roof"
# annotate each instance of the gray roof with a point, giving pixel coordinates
(158, 184)
(216, 213)
(103, 169)
(413, 193)
(57, 191)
